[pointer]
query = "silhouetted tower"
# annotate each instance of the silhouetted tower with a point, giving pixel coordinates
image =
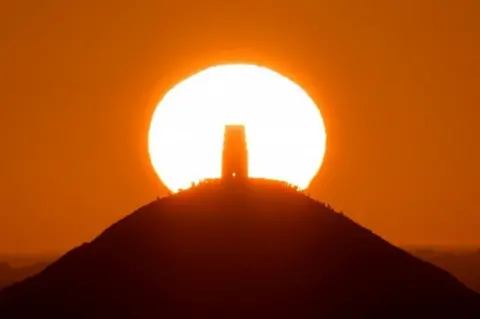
(235, 153)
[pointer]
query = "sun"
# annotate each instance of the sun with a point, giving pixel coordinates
(284, 128)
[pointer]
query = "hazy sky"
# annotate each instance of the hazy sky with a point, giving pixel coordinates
(398, 84)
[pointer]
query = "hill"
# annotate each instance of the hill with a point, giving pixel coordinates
(10, 275)
(464, 264)
(230, 249)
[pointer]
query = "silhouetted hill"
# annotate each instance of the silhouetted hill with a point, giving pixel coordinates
(255, 249)
(462, 263)
(10, 275)
(465, 265)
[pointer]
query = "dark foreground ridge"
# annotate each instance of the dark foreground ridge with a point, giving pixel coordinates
(231, 249)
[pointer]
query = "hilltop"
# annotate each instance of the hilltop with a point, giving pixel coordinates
(247, 248)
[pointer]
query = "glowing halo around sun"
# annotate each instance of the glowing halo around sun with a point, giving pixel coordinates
(284, 128)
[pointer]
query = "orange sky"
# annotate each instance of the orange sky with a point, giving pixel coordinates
(397, 81)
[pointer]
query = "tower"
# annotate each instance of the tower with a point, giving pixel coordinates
(235, 153)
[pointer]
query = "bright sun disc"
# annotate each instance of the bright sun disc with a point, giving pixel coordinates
(284, 128)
